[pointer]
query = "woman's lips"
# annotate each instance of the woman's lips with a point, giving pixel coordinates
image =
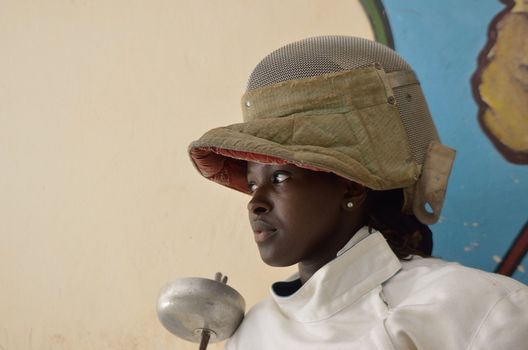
(262, 230)
(261, 236)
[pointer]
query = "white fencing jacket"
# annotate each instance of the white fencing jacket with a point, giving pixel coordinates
(368, 299)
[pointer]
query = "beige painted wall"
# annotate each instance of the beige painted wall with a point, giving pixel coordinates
(99, 204)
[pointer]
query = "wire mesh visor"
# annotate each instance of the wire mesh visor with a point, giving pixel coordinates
(345, 122)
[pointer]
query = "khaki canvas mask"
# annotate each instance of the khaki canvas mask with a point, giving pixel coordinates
(347, 122)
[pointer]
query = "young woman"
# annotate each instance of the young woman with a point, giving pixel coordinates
(345, 170)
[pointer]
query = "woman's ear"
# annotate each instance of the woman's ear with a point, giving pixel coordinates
(354, 196)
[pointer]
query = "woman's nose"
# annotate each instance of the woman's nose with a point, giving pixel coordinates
(258, 204)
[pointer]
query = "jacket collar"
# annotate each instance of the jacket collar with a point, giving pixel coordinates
(342, 281)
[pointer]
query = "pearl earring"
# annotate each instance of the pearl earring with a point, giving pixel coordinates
(350, 205)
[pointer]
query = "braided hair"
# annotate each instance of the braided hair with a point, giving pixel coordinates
(404, 233)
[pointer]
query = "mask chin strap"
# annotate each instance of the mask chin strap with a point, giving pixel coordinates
(432, 184)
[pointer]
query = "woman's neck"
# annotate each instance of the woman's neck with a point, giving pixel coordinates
(325, 254)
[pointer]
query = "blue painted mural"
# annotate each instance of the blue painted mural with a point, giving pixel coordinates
(484, 220)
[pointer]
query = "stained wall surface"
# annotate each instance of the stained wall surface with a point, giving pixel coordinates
(99, 204)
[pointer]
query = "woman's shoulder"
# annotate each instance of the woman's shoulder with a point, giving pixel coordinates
(262, 311)
(441, 274)
(249, 335)
(421, 279)
(430, 298)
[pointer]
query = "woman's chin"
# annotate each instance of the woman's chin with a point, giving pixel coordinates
(275, 260)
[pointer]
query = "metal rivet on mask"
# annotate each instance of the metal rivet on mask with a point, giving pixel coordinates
(408, 97)
(391, 100)
(248, 104)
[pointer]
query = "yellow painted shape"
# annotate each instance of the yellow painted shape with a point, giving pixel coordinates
(504, 85)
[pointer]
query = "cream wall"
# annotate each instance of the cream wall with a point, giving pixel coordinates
(99, 204)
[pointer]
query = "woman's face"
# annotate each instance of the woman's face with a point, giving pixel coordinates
(294, 212)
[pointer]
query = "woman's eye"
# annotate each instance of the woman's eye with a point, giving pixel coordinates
(280, 177)
(252, 187)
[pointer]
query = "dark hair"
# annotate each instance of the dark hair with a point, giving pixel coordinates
(404, 233)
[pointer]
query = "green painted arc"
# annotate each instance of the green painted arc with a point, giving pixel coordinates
(378, 21)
